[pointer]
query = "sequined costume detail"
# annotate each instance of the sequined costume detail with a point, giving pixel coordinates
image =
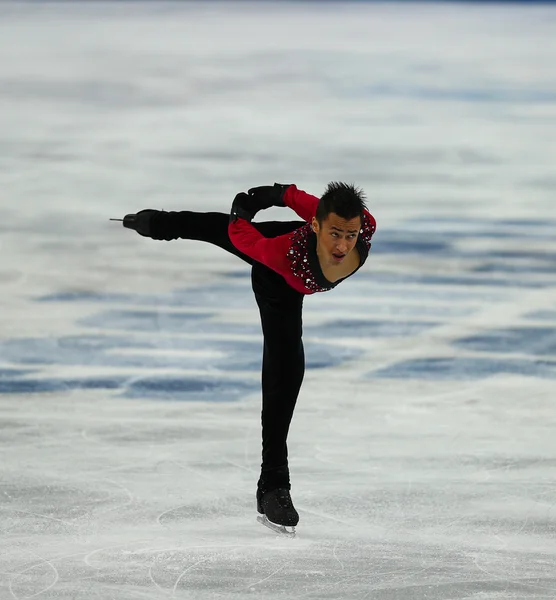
(367, 231)
(298, 254)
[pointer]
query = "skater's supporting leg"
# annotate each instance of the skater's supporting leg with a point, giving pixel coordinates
(283, 368)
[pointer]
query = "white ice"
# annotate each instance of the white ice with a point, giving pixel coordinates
(423, 449)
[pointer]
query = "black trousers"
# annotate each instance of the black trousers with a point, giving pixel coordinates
(283, 364)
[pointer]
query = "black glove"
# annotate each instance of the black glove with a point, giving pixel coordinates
(269, 195)
(248, 205)
(243, 207)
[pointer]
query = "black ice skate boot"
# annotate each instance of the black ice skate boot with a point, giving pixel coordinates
(278, 511)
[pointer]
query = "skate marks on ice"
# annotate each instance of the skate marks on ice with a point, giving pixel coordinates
(279, 568)
(433, 539)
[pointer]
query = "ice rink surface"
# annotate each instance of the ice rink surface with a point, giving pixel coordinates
(423, 449)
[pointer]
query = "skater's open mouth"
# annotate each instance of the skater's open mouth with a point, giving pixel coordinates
(338, 256)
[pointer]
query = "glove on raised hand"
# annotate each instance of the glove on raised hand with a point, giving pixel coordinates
(269, 195)
(246, 206)
(243, 207)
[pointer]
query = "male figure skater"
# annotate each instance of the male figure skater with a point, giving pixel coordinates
(289, 260)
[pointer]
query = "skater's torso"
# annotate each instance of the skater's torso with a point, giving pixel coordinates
(303, 270)
(294, 254)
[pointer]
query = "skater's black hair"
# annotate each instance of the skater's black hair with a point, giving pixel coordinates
(343, 199)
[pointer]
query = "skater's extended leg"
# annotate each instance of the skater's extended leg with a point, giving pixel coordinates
(211, 227)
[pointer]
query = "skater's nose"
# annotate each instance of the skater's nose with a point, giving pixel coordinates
(341, 248)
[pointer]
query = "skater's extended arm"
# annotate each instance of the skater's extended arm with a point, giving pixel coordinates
(268, 251)
(279, 194)
(304, 204)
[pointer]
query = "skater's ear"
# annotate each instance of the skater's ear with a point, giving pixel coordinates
(315, 225)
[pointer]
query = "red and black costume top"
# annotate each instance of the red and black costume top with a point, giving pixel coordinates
(294, 255)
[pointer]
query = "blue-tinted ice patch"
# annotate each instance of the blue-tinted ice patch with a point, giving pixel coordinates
(320, 356)
(446, 237)
(164, 322)
(464, 369)
(391, 242)
(210, 356)
(84, 296)
(8, 373)
(243, 274)
(102, 351)
(517, 268)
(213, 389)
(501, 234)
(478, 222)
(359, 328)
(396, 308)
(460, 281)
(93, 350)
(113, 351)
(138, 331)
(185, 388)
(538, 256)
(41, 385)
(380, 288)
(519, 340)
(207, 296)
(465, 94)
(27, 386)
(465, 280)
(541, 315)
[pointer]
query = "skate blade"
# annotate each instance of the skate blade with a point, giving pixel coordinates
(280, 529)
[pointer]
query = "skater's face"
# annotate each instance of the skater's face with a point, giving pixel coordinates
(336, 238)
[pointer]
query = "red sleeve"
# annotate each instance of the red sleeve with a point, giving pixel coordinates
(271, 252)
(301, 202)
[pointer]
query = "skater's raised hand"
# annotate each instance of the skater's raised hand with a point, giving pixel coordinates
(243, 207)
(269, 195)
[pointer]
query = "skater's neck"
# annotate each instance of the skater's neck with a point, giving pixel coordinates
(335, 272)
